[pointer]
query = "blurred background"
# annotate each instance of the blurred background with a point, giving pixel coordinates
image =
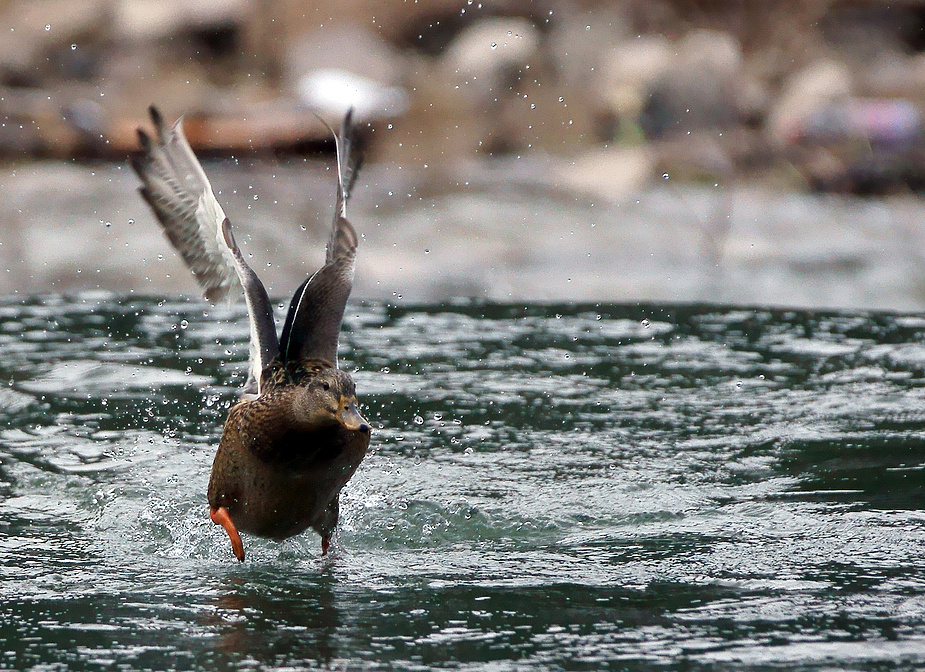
(671, 150)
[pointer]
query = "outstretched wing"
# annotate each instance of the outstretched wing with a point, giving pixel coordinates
(349, 162)
(264, 346)
(179, 193)
(317, 307)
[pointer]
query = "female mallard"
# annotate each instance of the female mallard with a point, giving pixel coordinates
(295, 437)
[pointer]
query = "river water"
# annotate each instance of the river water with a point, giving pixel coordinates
(630, 487)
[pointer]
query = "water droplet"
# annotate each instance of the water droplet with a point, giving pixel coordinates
(561, 99)
(645, 323)
(47, 26)
(184, 324)
(73, 47)
(494, 45)
(418, 420)
(664, 176)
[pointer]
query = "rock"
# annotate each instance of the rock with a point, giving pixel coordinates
(337, 68)
(611, 174)
(37, 37)
(147, 20)
(348, 47)
(474, 98)
(580, 42)
(699, 90)
(670, 88)
(712, 53)
(699, 157)
(894, 124)
(805, 93)
(333, 92)
(484, 54)
(630, 70)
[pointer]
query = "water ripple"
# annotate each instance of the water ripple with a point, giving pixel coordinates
(549, 486)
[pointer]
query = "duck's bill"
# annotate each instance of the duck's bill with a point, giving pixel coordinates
(349, 417)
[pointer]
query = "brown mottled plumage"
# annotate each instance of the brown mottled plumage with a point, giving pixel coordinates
(285, 455)
(296, 437)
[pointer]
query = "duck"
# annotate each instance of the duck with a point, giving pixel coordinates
(296, 435)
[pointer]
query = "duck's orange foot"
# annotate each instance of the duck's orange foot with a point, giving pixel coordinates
(325, 545)
(220, 516)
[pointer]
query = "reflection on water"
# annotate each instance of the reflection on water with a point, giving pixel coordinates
(638, 486)
(254, 617)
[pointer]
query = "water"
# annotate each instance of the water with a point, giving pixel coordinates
(503, 230)
(629, 487)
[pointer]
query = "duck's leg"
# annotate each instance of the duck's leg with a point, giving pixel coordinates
(328, 522)
(220, 516)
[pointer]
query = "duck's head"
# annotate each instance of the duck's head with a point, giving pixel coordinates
(328, 399)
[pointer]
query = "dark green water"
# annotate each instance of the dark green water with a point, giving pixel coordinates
(596, 487)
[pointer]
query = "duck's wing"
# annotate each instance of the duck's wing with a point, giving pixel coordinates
(178, 191)
(264, 345)
(317, 307)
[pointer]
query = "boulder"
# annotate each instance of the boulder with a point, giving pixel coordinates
(486, 53)
(806, 93)
(336, 68)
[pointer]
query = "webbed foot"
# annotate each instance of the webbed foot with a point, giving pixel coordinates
(221, 517)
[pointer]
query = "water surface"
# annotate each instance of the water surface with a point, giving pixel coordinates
(550, 487)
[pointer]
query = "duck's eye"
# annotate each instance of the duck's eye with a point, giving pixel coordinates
(325, 386)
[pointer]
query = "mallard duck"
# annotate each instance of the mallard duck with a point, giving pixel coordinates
(296, 436)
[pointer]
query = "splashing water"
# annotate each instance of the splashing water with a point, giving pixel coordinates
(549, 487)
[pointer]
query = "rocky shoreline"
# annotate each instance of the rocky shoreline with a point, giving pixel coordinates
(811, 95)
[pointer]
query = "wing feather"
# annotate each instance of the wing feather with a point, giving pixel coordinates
(264, 346)
(178, 191)
(317, 308)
